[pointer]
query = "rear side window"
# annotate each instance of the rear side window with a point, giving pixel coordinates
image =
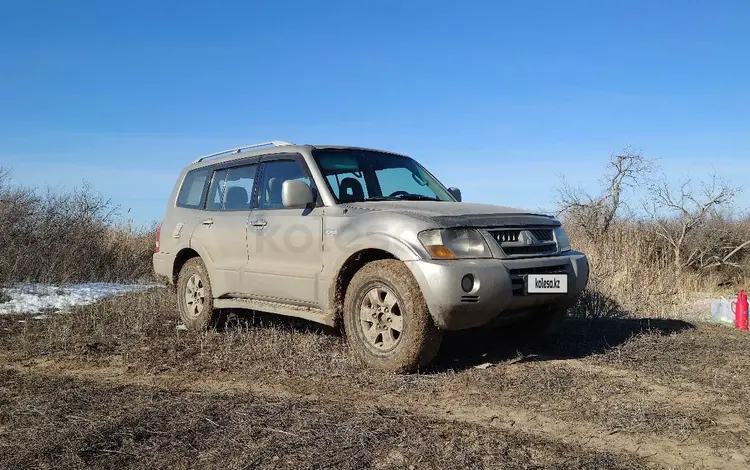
(239, 187)
(216, 193)
(231, 189)
(193, 187)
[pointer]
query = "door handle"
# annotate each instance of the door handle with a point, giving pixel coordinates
(208, 222)
(259, 224)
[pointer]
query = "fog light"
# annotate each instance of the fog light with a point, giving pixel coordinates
(467, 283)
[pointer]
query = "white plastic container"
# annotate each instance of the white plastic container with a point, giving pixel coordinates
(721, 312)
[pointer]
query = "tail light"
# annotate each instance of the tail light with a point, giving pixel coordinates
(158, 238)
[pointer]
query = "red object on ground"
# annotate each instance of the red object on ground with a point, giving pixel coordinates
(740, 311)
(158, 238)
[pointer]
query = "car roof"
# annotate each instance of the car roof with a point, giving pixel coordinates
(277, 148)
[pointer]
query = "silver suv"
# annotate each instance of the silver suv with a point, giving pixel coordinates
(365, 237)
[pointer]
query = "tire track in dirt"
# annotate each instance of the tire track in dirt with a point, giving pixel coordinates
(687, 394)
(452, 407)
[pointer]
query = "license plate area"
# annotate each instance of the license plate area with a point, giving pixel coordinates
(546, 284)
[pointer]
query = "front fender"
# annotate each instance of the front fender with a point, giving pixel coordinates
(377, 241)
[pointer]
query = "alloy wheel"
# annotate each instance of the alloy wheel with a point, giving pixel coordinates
(381, 319)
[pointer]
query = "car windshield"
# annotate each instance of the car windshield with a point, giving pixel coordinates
(365, 175)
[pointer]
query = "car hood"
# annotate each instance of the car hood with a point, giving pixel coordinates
(459, 214)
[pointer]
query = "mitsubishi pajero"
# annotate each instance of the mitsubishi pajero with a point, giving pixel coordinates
(364, 237)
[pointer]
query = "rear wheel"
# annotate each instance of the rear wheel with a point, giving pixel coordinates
(386, 319)
(194, 298)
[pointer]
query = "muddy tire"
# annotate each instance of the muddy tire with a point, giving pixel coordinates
(194, 297)
(386, 319)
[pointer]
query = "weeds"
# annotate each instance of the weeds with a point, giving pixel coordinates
(68, 236)
(74, 423)
(633, 271)
(120, 385)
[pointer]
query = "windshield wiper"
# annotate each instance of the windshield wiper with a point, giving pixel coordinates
(416, 197)
(374, 198)
(405, 197)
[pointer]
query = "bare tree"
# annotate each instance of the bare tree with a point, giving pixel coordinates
(4, 176)
(679, 211)
(596, 214)
(720, 242)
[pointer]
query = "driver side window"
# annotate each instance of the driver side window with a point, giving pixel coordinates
(274, 175)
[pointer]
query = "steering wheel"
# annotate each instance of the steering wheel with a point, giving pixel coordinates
(398, 193)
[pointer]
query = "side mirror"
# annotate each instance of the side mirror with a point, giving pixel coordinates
(456, 193)
(295, 193)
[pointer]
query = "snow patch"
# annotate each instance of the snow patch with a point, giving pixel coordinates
(37, 298)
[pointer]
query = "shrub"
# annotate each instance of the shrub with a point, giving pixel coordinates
(68, 236)
(685, 244)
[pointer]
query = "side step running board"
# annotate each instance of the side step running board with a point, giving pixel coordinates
(308, 313)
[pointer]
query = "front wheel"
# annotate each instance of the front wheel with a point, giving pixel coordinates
(386, 319)
(194, 298)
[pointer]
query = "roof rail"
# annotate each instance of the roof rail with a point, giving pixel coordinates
(273, 143)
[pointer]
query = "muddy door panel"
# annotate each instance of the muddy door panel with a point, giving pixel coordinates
(285, 254)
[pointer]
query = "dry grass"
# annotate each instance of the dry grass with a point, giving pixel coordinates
(68, 236)
(139, 330)
(75, 424)
(632, 271)
(116, 384)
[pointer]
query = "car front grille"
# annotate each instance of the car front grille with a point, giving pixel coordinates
(546, 249)
(544, 235)
(525, 242)
(506, 236)
(517, 275)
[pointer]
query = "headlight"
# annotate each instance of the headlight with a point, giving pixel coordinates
(563, 244)
(454, 243)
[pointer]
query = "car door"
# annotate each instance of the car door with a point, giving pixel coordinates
(223, 231)
(284, 245)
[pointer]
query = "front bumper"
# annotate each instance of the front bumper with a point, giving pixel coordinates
(493, 293)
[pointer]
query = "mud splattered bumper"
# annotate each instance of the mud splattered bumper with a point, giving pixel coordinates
(162, 263)
(495, 290)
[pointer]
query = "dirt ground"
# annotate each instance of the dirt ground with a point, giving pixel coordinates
(116, 385)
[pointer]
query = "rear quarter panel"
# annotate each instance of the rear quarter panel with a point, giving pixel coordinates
(177, 227)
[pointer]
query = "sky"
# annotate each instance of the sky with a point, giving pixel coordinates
(499, 98)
